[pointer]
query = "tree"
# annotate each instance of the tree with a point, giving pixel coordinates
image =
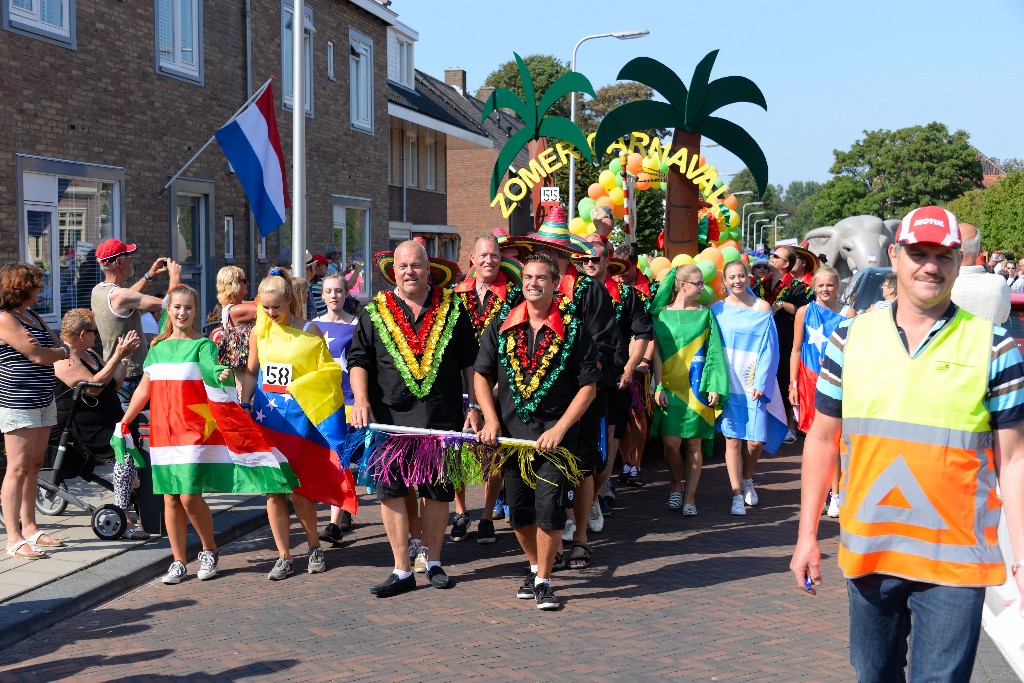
(1012, 165)
(544, 70)
(967, 207)
(1002, 214)
(838, 198)
(688, 111)
(888, 173)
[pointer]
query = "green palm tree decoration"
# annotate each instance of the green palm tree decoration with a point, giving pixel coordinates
(688, 111)
(536, 124)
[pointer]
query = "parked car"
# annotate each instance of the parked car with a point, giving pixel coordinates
(865, 288)
(1015, 323)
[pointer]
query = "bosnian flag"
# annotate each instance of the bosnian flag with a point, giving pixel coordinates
(252, 145)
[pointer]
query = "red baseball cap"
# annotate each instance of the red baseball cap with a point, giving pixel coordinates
(111, 249)
(929, 225)
(320, 260)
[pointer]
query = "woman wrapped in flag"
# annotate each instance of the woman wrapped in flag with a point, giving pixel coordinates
(754, 417)
(812, 328)
(295, 388)
(689, 377)
(200, 438)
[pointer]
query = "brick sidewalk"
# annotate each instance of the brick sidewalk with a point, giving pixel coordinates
(704, 598)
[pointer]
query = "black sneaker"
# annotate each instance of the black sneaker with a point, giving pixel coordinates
(331, 533)
(394, 586)
(460, 528)
(438, 578)
(546, 597)
(485, 532)
(346, 521)
(525, 592)
(606, 507)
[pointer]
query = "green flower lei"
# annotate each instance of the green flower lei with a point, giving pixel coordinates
(422, 388)
(525, 408)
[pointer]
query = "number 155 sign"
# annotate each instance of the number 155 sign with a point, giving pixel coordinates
(549, 195)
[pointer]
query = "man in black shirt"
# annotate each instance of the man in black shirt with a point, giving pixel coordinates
(545, 382)
(419, 345)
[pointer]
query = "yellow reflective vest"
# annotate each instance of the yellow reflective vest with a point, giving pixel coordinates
(918, 495)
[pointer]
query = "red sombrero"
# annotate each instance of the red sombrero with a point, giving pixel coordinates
(442, 271)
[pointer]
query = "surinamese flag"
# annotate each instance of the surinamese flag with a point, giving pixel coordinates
(251, 143)
(201, 440)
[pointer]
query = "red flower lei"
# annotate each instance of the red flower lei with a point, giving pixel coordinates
(528, 363)
(417, 340)
(480, 320)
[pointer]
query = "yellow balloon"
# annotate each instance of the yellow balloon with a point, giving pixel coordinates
(734, 220)
(590, 229)
(606, 179)
(616, 195)
(577, 226)
(682, 260)
(649, 164)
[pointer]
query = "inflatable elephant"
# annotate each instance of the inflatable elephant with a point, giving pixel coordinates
(854, 243)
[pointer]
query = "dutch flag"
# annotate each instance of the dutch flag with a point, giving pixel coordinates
(251, 143)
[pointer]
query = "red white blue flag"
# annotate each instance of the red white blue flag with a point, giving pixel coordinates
(251, 143)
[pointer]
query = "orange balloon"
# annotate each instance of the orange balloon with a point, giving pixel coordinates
(643, 181)
(604, 201)
(730, 201)
(658, 264)
(701, 161)
(714, 255)
(746, 259)
(595, 191)
(634, 163)
(618, 210)
(729, 243)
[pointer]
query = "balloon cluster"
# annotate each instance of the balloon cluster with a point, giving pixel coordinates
(608, 191)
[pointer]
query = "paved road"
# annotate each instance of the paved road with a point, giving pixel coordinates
(706, 598)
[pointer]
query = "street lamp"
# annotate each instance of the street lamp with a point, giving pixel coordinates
(621, 35)
(750, 215)
(777, 217)
(759, 237)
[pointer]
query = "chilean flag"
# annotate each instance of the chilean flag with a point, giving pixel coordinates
(252, 145)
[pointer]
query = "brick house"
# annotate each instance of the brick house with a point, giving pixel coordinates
(104, 101)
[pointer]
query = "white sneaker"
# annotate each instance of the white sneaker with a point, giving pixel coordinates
(833, 507)
(596, 521)
(420, 564)
(749, 494)
(569, 531)
(414, 547)
(790, 437)
(175, 573)
(828, 503)
(689, 510)
(738, 508)
(207, 565)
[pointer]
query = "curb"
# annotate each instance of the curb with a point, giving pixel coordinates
(43, 607)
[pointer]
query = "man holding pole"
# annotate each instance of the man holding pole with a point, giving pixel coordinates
(419, 346)
(545, 364)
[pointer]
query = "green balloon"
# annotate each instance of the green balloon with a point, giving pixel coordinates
(584, 208)
(663, 168)
(618, 179)
(708, 295)
(615, 167)
(664, 187)
(642, 262)
(730, 254)
(707, 268)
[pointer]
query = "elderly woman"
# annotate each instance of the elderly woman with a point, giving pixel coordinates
(28, 350)
(94, 417)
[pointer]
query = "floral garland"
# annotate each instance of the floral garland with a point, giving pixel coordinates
(780, 291)
(414, 353)
(482, 320)
(621, 303)
(546, 363)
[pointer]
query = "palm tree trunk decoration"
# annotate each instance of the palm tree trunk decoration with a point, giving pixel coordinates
(688, 111)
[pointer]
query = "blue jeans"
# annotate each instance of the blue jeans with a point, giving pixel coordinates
(128, 387)
(941, 624)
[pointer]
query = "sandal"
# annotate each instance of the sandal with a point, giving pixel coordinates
(31, 554)
(675, 500)
(135, 533)
(561, 562)
(579, 561)
(36, 540)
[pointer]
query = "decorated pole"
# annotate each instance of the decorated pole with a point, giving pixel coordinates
(419, 431)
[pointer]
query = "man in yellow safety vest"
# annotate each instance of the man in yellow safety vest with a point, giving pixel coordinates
(932, 413)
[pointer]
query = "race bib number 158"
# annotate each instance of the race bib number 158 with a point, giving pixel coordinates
(276, 377)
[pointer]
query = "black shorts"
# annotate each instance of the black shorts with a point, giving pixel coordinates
(620, 407)
(444, 493)
(588, 448)
(541, 506)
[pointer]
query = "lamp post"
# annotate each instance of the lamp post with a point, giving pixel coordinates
(777, 217)
(760, 236)
(621, 35)
(751, 215)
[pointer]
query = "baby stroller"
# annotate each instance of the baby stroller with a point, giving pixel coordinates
(67, 458)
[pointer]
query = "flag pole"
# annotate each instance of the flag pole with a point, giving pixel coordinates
(298, 139)
(214, 136)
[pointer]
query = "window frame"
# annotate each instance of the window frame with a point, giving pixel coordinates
(411, 159)
(173, 68)
(405, 66)
(330, 61)
(430, 162)
(365, 43)
(229, 238)
(308, 29)
(366, 206)
(17, 20)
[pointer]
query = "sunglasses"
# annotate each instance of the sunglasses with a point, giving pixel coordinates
(591, 259)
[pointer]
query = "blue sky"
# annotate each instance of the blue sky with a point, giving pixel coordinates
(828, 69)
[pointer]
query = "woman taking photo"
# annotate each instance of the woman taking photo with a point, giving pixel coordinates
(689, 377)
(813, 325)
(752, 347)
(94, 415)
(28, 350)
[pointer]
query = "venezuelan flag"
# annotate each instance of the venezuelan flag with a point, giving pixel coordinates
(300, 408)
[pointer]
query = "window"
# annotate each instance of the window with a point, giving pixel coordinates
(360, 64)
(350, 229)
(229, 237)
(65, 210)
(261, 249)
(179, 38)
(411, 160)
(51, 20)
(430, 162)
(286, 57)
(330, 60)
(405, 69)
